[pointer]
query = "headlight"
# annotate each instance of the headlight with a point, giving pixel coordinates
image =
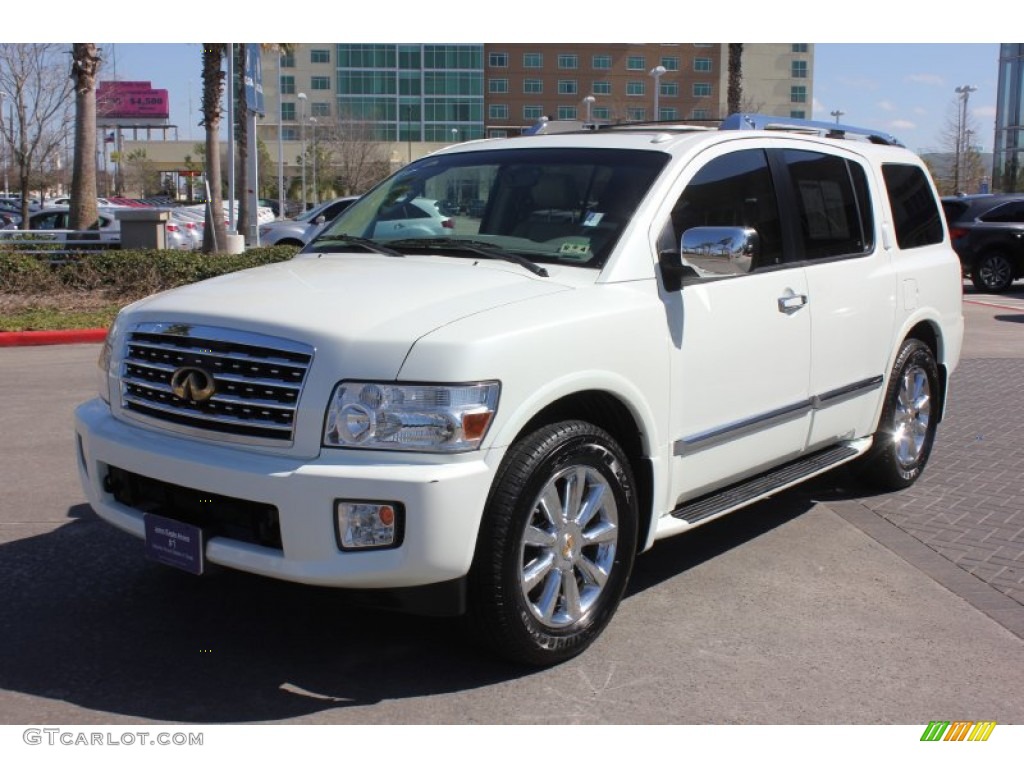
(110, 343)
(410, 417)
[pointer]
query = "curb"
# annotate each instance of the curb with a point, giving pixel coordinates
(39, 338)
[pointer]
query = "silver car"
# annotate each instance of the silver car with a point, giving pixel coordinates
(300, 230)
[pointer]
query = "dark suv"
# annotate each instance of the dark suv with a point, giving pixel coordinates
(988, 234)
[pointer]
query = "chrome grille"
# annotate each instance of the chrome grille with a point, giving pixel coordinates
(257, 381)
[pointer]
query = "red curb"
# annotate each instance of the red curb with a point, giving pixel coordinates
(38, 338)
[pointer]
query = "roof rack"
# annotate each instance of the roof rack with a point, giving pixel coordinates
(741, 122)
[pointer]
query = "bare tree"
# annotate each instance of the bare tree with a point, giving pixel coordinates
(34, 77)
(85, 64)
(959, 168)
(355, 158)
(215, 234)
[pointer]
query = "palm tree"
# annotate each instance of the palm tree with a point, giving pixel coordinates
(735, 92)
(85, 63)
(215, 234)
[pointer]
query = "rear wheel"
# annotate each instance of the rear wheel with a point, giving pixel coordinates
(906, 430)
(992, 273)
(556, 545)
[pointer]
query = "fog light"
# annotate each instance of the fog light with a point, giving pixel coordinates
(368, 524)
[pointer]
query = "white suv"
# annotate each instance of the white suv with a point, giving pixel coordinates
(640, 329)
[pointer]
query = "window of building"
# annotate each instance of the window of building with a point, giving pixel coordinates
(669, 89)
(567, 113)
(635, 63)
(320, 83)
(601, 88)
(533, 60)
(567, 87)
(799, 47)
(668, 113)
(798, 114)
(670, 63)
(287, 83)
(289, 134)
(798, 94)
(700, 114)
(320, 56)
(635, 88)
(601, 113)
(601, 61)
(636, 113)
(701, 64)
(497, 85)
(320, 109)
(533, 111)
(497, 111)
(533, 85)
(498, 60)
(288, 60)
(568, 61)
(798, 69)
(288, 110)
(701, 89)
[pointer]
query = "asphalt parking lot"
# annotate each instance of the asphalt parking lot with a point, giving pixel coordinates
(818, 606)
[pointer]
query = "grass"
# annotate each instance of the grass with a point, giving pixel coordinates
(55, 313)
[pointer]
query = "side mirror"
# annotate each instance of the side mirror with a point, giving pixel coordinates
(719, 251)
(321, 219)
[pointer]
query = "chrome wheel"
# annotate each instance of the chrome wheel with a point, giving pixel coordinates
(912, 416)
(568, 546)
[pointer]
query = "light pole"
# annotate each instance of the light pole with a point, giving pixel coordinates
(302, 132)
(455, 135)
(3, 144)
(589, 101)
(280, 141)
(837, 114)
(656, 73)
(963, 92)
(316, 188)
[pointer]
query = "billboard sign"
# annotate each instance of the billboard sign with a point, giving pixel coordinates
(254, 79)
(131, 100)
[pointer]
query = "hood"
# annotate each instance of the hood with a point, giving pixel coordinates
(368, 309)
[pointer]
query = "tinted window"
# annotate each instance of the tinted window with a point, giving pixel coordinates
(734, 190)
(1008, 212)
(914, 210)
(832, 204)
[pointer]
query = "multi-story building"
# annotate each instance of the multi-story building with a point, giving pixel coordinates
(413, 96)
(1009, 138)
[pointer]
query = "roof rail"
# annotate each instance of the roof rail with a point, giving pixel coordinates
(743, 122)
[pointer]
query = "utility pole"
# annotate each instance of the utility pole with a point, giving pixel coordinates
(963, 92)
(837, 114)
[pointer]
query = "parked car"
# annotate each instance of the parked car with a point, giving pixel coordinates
(988, 235)
(652, 327)
(300, 230)
(419, 217)
(58, 220)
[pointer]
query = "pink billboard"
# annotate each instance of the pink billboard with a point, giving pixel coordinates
(131, 99)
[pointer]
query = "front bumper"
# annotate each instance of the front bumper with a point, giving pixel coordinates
(443, 499)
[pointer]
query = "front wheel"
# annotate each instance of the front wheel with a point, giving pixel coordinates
(556, 545)
(906, 430)
(992, 273)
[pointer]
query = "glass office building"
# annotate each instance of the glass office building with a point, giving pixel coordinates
(412, 92)
(1009, 138)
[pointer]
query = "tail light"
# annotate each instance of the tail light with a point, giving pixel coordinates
(955, 233)
(448, 224)
(172, 227)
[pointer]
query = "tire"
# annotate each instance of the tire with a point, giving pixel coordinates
(992, 273)
(556, 545)
(906, 429)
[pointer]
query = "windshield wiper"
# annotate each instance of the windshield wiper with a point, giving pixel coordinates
(487, 250)
(370, 245)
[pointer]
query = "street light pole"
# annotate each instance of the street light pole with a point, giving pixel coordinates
(963, 92)
(656, 73)
(837, 114)
(302, 132)
(3, 144)
(316, 188)
(280, 141)
(589, 101)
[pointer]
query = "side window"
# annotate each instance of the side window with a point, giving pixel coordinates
(734, 190)
(914, 210)
(832, 204)
(1012, 213)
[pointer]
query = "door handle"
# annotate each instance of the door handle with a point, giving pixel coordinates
(791, 302)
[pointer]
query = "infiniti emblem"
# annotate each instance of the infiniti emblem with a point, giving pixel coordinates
(193, 384)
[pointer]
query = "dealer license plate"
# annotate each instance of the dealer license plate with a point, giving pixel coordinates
(174, 543)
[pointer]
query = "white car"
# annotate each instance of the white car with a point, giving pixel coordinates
(647, 328)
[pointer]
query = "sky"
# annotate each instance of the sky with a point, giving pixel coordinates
(885, 65)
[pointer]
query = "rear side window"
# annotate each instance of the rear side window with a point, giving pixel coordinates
(832, 202)
(1008, 213)
(914, 209)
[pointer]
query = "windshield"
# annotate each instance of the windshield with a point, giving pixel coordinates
(547, 205)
